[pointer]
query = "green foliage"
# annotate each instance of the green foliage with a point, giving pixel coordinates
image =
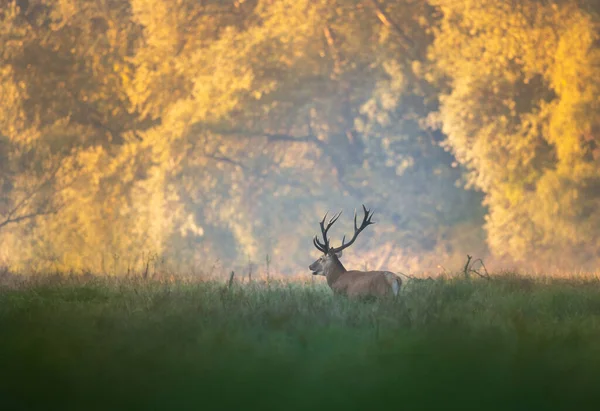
(100, 343)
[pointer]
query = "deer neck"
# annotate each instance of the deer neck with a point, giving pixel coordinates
(334, 271)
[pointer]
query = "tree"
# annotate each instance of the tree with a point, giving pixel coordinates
(225, 129)
(291, 115)
(518, 112)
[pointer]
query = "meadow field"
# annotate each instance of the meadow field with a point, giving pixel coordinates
(512, 342)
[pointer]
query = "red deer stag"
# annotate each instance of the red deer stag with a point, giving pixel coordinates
(351, 283)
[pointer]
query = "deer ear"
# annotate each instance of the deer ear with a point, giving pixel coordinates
(338, 254)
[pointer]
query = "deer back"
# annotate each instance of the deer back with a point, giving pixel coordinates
(367, 283)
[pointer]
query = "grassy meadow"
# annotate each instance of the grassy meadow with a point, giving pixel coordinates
(93, 343)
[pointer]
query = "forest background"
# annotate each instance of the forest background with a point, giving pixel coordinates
(207, 133)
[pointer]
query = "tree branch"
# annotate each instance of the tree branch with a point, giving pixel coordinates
(388, 22)
(44, 209)
(334, 51)
(271, 137)
(27, 217)
(309, 138)
(224, 160)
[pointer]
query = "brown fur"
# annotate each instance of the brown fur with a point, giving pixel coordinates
(355, 283)
(365, 283)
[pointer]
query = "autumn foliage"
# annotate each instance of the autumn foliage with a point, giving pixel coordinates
(223, 130)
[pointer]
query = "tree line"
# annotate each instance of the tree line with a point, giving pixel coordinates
(223, 130)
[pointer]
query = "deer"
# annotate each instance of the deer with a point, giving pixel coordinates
(354, 283)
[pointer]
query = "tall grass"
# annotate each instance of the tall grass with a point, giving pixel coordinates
(511, 343)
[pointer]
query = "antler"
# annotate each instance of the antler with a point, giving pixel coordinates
(324, 247)
(357, 230)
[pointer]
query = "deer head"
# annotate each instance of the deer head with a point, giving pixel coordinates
(329, 262)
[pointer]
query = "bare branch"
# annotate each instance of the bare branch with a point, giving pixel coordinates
(290, 138)
(271, 137)
(486, 274)
(334, 51)
(388, 22)
(29, 216)
(224, 160)
(466, 269)
(13, 216)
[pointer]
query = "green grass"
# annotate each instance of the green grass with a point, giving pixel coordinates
(100, 344)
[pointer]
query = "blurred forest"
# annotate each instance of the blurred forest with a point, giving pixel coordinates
(205, 131)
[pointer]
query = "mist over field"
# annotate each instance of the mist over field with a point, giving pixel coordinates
(164, 166)
(214, 135)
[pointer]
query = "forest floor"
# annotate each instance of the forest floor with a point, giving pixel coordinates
(94, 343)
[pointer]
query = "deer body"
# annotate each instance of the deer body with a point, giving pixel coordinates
(351, 283)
